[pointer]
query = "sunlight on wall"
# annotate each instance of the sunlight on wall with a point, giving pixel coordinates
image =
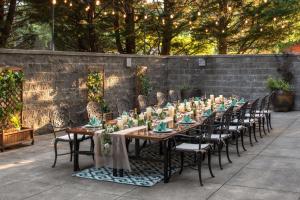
(111, 81)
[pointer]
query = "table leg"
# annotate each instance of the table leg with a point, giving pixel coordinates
(137, 148)
(76, 153)
(166, 161)
(115, 172)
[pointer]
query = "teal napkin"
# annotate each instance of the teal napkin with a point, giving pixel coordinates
(233, 102)
(124, 113)
(94, 122)
(242, 101)
(162, 126)
(207, 113)
(197, 99)
(168, 104)
(222, 107)
(187, 119)
(185, 101)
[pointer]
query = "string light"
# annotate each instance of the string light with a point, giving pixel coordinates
(261, 29)
(283, 26)
(206, 30)
(54, 2)
(65, 1)
(146, 17)
(190, 22)
(124, 16)
(105, 13)
(265, 1)
(97, 2)
(113, 12)
(171, 16)
(163, 21)
(246, 22)
(217, 23)
(87, 8)
(223, 31)
(199, 13)
(229, 8)
(71, 4)
(274, 19)
(136, 17)
(156, 18)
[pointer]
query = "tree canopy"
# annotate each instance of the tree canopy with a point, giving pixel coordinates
(163, 27)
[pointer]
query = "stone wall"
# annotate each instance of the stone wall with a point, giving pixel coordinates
(57, 78)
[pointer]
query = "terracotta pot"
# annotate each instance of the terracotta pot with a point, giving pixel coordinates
(189, 93)
(283, 101)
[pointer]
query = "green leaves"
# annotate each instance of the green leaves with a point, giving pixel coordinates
(278, 84)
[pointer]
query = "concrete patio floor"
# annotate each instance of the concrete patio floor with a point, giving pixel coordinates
(269, 170)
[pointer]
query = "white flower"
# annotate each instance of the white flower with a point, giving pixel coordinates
(106, 146)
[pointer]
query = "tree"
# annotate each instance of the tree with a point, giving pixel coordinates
(7, 14)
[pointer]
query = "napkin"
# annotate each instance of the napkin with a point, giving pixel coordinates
(207, 113)
(124, 113)
(233, 102)
(197, 99)
(168, 104)
(222, 107)
(242, 101)
(94, 122)
(162, 126)
(187, 119)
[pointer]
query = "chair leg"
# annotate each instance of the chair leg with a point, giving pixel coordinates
(71, 151)
(92, 148)
(269, 117)
(250, 135)
(254, 132)
(199, 167)
(209, 162)
(55, 152)
(227, 151)
(181, 162)
(267, 120)
(220, 145)
(242, 139)
(237, 145)
(263, 125)
(259, 127)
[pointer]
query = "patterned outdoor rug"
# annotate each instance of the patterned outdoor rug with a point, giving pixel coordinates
(144, 173)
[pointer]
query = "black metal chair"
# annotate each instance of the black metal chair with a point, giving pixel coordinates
(238, 128)
(222, 135)
(267, 111)
(198, 144)
(94, 110)
(250, 121)
(260, 115)
(59, 122)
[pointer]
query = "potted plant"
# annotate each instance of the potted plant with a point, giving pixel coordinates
(16, 121)
(283, 95)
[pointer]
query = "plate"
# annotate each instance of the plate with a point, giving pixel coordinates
(192, 122)
(168, 130)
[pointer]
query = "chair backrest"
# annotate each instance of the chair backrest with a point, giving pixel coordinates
(142, 102)
(269, 101)
(161, 99)
(122, 105)
(94, 110)
(262, 105)
(253, 109)
(226, 119)
(60, 119)
(173, 96)
(207, 127)
(241, 113)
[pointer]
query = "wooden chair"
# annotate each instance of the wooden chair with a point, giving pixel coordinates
(161, 99)
(173, 96)
(142, 102)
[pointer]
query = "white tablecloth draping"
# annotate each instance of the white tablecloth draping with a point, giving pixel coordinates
(117, 156)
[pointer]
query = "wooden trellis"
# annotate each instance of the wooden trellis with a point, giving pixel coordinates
(11, 102)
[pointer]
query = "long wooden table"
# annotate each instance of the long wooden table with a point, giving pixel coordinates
(163, 138)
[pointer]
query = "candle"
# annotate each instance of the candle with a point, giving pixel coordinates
(159, 111)
(171, 112)
(142, 116)
(120, 124)
(212, 97)
(181, 107)
(222, 98)
(188, 106)
(148, 112)
(125, 118)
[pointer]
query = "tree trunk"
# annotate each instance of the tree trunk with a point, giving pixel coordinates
(167, 34)
(7, 24)
(222, 45)
(129, 27)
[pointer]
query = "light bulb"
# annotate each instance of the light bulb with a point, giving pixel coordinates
(54, 2)
(163, 21)
(124, 16)
(274, 19)
(261, 29)
(87, 8)
(65, 1)
(206, 30)
(105, 13)
(136, 17)
(199, 13)
(113, 12)
(190, 22)
(223, 31)
(265, 1)
(246, 22)
(217, 23)
(98, 2)
(146, 17)
(229, 8)
(283, 26)
(171, 16)
(70, 4)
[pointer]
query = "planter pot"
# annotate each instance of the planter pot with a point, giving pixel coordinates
(12, 136)
(283, 101)
(189, 93)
